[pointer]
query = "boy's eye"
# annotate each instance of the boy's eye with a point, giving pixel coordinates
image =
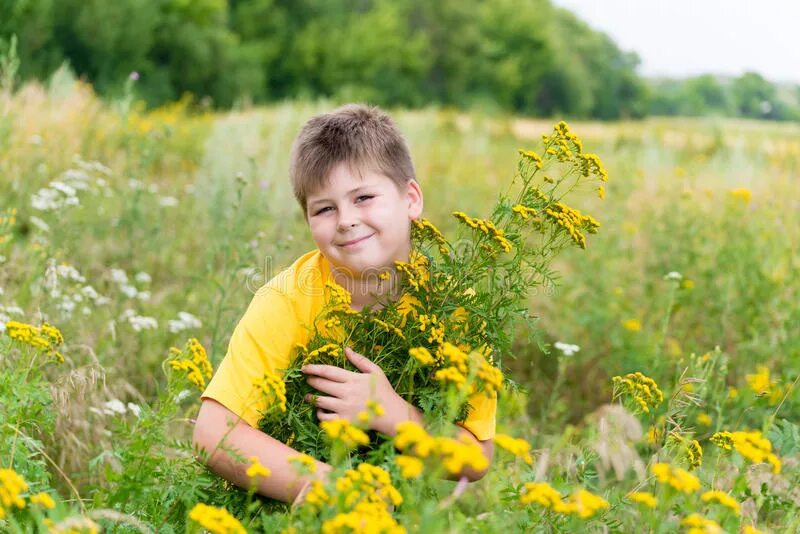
(362, 198)
(322, 210)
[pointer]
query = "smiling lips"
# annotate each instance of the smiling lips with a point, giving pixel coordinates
(354, 242)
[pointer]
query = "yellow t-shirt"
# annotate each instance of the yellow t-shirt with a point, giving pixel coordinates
(278, 319)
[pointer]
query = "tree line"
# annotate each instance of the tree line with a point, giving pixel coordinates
(524, 56)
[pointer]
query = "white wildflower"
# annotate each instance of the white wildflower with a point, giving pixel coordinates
(142, 277)
(119, 276)
(167, 201)
(673, 275)
(114, 406)
(566, 348)
(185, 321)
(134, 409)
(139, 322)
(182, 394)
(129, 291)
(40, 224)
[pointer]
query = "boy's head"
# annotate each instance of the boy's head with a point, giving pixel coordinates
(352, 174)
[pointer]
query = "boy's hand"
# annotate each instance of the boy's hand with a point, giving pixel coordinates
(348, 393)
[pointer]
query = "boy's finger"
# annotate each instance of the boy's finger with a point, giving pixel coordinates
(361, 362)
(326, 403)
(331, 372)
(322, 415)
(337, 389)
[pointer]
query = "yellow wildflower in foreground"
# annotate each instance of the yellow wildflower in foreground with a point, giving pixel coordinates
(516, 446)
(422, 355)
(760, 382)
(46, 338)
(487, 227)
(367, 483)
(642, 389)
(676, 477)
(751, 445)
(193, 373)
(216, 520)
(11, 486)
(749, 529)
(273, 390)
(410, 467)
(722, 498)
(700, 525)
(704, 419)
(366, 517)
(453, 454)
(73, 525)
(643, 497)
(44, 500)
(581, 502)
(256, 469)
(344, 431)
(304, 461)
(573, 221)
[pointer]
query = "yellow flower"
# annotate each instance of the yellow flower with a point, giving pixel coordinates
(46, 338)
(344, 431)
(644, 390)
(749, 529)
(759, 381)
(632, 324)
(676, 477)
(643, 497)
(304, 462)
(601, 192)
(215, 520)
(573, 221)
(741, 193)
(273, 390)
(193, 361)
(410, 467)
(531, 156)
(44, 500)
(704, 419)
(422, 355)
(524, 211)
(11, 487)
(256, 469)
(365, 517)
(516, 446)
(751, 445)
(540, 493)
(700, 525)
(694, 454)
(722, 498)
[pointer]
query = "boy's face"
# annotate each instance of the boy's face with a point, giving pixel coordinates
(361, 220)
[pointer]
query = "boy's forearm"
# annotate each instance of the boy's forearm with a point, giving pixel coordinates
(283, 484)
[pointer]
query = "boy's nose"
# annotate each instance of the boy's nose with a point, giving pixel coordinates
(347, 220)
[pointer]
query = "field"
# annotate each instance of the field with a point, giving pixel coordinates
(133, 231)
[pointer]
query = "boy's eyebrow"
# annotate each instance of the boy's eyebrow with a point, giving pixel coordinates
(359, 188)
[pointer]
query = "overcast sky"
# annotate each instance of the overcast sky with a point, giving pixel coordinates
(686, 37)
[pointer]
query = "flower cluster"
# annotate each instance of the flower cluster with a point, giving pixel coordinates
(11, 487)
(676, 477)
(581, 502)
(453, 454)
(694, 454)
(216, 520)
(416, 270)
(344, 431)
(573, 221)
(722, 498)
(273, 390)
(642, 389)
(751, 445)
(46, 338)
(643, 497)
(516, 446)
(365, 517)
(525, 212)
(426, 229)
(697, 524)
(487, 227)
(193, 360)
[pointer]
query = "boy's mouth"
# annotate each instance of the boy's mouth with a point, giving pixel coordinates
(352, 243)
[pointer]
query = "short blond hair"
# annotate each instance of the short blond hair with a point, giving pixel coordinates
(362, 136)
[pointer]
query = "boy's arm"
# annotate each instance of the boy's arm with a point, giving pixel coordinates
(216, 423)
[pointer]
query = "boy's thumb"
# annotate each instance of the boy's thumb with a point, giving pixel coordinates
(361, 362)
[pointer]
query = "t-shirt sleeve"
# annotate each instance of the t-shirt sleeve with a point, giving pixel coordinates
(262, 341)
(482, 417)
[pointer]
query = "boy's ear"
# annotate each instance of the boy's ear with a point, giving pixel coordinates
(415, 201)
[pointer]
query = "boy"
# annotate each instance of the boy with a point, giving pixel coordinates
(352, 175)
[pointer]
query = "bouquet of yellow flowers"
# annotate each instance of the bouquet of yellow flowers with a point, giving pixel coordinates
(443, 339)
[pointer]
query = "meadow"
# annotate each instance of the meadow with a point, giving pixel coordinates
(134, 231)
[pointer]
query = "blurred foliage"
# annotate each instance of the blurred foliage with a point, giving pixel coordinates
(527, 57)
